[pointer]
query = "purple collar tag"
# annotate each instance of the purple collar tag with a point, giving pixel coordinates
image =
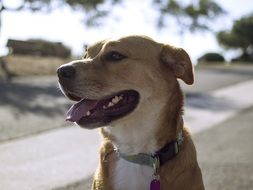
(155, 184)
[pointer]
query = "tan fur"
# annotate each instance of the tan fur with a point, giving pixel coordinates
(152, 69)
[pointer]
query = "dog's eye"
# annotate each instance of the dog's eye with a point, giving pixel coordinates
(85, 52)
(85, 55)
(114, 56)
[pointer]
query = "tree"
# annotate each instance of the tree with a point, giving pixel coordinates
(92, 8)
(190, 17)
(239, 37)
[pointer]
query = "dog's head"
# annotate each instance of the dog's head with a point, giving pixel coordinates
(122, 79)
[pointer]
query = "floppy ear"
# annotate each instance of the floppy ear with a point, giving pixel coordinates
(179, 62)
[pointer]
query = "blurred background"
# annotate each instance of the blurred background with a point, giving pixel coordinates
(39, 150)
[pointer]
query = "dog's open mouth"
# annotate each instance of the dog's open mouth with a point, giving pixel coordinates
(103, 111)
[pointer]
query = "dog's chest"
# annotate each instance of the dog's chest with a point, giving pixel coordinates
(132, 176)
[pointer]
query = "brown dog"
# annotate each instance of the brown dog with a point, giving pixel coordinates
(129, 88)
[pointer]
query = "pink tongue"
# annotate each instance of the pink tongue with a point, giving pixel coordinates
(79, 110)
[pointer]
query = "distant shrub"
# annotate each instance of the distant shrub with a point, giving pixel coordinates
(38, 47)
(211, 57)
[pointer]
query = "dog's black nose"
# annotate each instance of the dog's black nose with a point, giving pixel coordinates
(66, 71)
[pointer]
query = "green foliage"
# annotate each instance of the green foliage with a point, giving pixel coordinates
(244, 28)
(192, 16)
(231, 40)
(87, 4)
(240, 36)
(94, 10)
(211, 57)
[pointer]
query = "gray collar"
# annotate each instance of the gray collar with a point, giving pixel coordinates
(168, 152)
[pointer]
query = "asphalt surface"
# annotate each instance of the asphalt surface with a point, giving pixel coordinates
(32, 105)
(225, 153)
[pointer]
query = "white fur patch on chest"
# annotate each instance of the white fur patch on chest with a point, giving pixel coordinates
(132, 176)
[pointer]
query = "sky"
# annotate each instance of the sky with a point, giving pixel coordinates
(133, 17)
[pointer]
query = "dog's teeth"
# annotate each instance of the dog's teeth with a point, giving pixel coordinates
(110, 104)
(88, 113)
(115, 100)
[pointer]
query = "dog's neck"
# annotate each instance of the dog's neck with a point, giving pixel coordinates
(151, 129)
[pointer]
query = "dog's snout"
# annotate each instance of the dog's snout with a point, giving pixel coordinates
(66, 71)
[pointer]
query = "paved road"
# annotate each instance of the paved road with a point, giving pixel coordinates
(208, 79)
(34, 105)
(29, 106)
(225, 153)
